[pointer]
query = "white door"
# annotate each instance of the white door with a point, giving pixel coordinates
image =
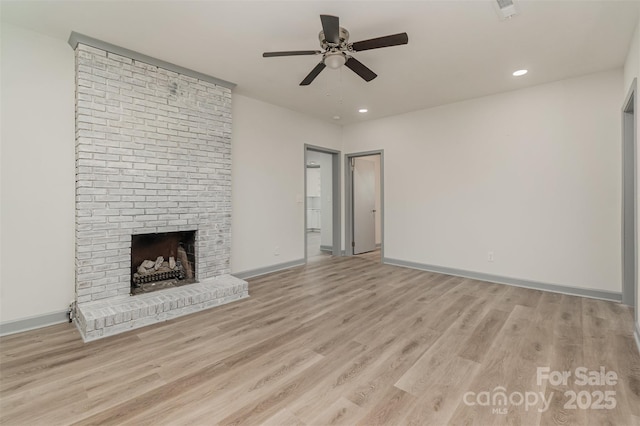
(364, 206)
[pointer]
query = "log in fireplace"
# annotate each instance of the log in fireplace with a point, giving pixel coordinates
(162, 260)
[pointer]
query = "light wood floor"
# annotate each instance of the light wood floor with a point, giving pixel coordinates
(340, 341)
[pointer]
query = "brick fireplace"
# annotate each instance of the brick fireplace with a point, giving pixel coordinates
(153, 156)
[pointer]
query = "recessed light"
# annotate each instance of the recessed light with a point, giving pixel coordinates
(336, 117)
(519, 73)
(363, 110)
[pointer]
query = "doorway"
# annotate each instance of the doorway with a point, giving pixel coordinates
(364, 205)
(629, 202)
(322, 224)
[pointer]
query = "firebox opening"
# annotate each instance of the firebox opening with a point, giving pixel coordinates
(162, 260)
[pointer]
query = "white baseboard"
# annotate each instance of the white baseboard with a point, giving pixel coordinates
(517, 282)
(268, 269)
(31, 323)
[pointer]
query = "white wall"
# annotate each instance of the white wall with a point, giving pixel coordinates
(631, 71)
(632, 63)
(268, 181)
(532, 175)
(38, 175)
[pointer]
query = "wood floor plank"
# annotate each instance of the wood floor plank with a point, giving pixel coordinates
(442, 393)
(437, 362)
(340, 412)
(340, 381)
(567, 354)
(628, 371)
(496, 369)
(283, 418)
(390, 409)
(259, 410)
(366, 393)
(477, 345)
(230, 391)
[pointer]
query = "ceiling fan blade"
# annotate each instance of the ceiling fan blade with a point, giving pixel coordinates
(331, 28)
(313, 74)
(359, 68)
(291, 53)
(376, 43)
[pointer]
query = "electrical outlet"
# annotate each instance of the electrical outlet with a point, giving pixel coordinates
(490, 256)
(276, 251)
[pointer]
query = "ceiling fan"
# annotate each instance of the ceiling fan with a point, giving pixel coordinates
(336, 49)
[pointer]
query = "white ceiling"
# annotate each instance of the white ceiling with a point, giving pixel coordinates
(457, 49)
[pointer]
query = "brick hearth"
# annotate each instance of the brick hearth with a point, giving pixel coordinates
(114, 315)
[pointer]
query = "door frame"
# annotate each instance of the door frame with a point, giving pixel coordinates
(348, 181)
(629, 200)
(336, 198)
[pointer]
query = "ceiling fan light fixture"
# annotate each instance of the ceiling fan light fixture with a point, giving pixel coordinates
(334, 60)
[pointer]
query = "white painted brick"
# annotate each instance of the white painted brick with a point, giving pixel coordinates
(119, 58)
(108, 157)
(132, 185)
(144, 166)
(121, 178)
(85, 162)
(163, 165)
(98, 184)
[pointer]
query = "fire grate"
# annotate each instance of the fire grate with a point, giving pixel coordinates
(157, 276)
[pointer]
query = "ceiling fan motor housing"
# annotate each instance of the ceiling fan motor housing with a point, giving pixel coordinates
(344, 39)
